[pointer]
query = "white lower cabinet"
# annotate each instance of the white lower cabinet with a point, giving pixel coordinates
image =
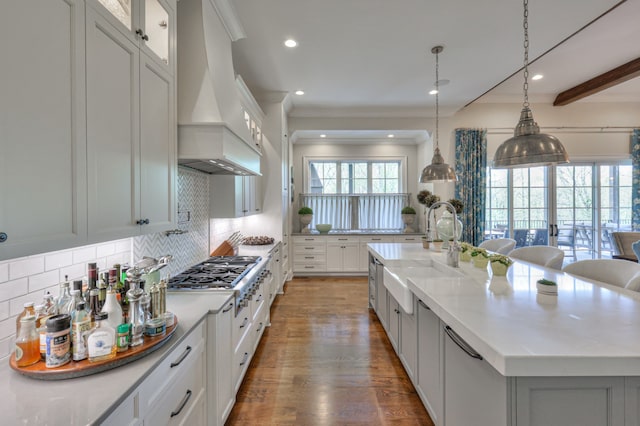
(220, 394)
(127, 413)
(342, 254)
(394, 322)
(428, 379)
(474, 392)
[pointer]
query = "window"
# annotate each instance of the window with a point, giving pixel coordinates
(356, 194)
(354, 177)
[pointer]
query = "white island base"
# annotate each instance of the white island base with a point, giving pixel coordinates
(489, 351)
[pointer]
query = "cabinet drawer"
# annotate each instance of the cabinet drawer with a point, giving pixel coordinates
(376, 239)
(241, 324)
(310, 248)
(182, 358)
(308, 258)
(240, 363)
(301, 267)
(308, 239)
(343, 239)
(179, 399)
(408, 239)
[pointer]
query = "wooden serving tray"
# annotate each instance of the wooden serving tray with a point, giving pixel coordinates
(82, 368)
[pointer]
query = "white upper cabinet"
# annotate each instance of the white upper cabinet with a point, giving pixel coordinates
(131, 134)
(150, 24)
(42, 127)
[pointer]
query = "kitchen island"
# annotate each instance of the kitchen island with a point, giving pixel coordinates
(499, 353)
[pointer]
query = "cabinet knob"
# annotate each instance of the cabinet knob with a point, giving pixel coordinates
(142, 35)
(3, 237)
(142, 222)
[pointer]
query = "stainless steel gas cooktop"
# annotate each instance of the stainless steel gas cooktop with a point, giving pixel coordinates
(221, 272)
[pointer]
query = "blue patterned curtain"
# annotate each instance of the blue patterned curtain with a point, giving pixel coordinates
(471, 164)
(635, 160)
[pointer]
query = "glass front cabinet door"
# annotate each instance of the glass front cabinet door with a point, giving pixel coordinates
(150, 23)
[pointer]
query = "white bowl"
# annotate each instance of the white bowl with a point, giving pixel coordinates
(323, 228)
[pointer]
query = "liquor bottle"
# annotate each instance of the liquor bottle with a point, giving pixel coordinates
(101, 341)
(94, 304)
(41, 328)
(77, 298)
(102, 288)
(77, 285)
(80, 326)
(65, 301)
(29, 310)
(112, 307)
(92, 279)
(27, 342)
(49, 304)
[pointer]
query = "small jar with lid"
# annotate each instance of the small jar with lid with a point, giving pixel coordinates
(123, 337)
(58, 341)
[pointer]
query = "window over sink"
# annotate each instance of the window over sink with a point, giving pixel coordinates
(356, 194)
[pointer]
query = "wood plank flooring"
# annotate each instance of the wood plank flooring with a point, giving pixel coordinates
(326, 360)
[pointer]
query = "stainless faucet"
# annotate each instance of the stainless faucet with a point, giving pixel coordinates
(453, 258)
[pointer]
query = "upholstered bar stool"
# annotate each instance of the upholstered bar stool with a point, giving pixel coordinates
(548, 256)
(499, 245)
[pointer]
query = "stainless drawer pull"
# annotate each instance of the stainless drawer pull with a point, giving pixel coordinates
(308, 248)
(182, 357)
(423, 305)
(309, 239)
(461, 343)
(244, 359)
(259, 328)
(228, 309)
(182, 403)
(244, 323)
(309, 257)
(343, 239)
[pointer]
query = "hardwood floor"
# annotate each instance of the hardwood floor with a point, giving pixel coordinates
(326, 360)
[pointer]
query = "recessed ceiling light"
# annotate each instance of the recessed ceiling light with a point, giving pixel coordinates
(433, 92)
(290, 43)
(391, 136)
(323, 135)
(537, 77)
(299, 92)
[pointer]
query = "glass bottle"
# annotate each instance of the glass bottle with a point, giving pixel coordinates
(112, 307)
(94, 304)
(80, 326)
(49, 304)
(92, 276)
(77, 298)
(102, 288)
(41, 328)
(63, 306)
(29, 310)
(27, 342)
(101, 341)
(77, 285)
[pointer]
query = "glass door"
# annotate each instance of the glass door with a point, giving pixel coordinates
(576, 210)
(518, 206)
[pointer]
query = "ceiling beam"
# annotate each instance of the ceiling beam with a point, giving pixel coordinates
(596, 84)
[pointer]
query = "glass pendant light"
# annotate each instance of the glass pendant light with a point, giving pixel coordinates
(438, 170)
(528, 147)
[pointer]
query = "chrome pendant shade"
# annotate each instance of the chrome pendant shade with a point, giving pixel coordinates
(528, 147)
(438, 170)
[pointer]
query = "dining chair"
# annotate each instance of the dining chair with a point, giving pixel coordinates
(499, 245)
(548, 256)
(620, 273)
(623, 241)
(567, 238)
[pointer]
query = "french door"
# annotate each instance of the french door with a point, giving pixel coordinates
(575, 207)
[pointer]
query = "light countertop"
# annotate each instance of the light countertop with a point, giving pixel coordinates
(90, 399)
(589, 329)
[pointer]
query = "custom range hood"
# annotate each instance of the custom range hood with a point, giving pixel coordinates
(212, 134)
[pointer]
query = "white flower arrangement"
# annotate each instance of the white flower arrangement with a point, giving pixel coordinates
(464, 247)
(477, 251)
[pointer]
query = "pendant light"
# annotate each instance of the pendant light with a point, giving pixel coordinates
(438, 170)
(528, 147)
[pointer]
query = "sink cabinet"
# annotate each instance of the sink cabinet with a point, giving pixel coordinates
(428, 380)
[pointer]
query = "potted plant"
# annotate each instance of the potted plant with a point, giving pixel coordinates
(408, 217)
(465, 252)
(480, 257)
(548, 287)
(436, 245)
(500, 264)
(306, 215)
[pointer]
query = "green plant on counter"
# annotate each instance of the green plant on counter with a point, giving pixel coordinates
(500, 258)
(477, 251)
(464, 247)
(305, 210)
(408, 210)
(546, 282)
